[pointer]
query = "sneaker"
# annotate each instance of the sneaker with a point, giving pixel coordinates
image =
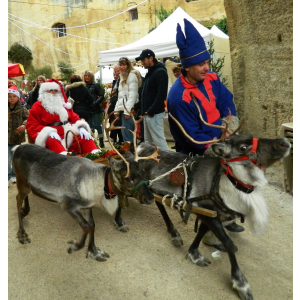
(13, 179)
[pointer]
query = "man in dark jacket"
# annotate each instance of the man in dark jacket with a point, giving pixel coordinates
(154, 94)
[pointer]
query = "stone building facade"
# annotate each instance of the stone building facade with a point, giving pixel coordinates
(261, 46)
(106, 26)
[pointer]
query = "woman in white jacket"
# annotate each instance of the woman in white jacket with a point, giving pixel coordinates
(128, 93)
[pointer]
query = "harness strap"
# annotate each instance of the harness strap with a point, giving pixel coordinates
(138, 185)
(108, 191)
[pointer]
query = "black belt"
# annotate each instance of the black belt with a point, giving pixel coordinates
(58, 123)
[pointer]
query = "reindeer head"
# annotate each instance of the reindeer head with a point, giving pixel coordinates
(233, 146)
(133, 185)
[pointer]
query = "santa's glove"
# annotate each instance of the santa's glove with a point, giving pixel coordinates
(85, 134)
(54, 135)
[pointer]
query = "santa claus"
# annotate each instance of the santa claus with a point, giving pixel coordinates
(51, 117)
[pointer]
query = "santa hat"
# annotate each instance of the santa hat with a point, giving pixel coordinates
(53, 84)
(192, 49)
(14, 90)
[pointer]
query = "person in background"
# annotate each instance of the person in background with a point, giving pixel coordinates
(115, 135)
(17, 118)
(11, 83)
(34, 93)
(50, 119)
(82, 97)
(95, 121)
(176, 70)
(137, 114)
(214, 99)
(128, 94)
(154, 93)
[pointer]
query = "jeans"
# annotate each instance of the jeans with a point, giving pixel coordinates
(128, 124)
(154, 131)
(11, 171)
(94, 123)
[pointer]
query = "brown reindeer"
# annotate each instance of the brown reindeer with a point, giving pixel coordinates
(77, 184)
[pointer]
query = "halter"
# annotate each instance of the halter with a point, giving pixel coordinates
(246, 188)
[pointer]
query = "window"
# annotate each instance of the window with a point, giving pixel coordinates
(59, 30)
(134, 14)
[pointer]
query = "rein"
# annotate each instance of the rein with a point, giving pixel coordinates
(108, 185)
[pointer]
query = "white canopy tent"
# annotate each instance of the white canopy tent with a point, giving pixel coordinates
(107, 73)
(162, 41)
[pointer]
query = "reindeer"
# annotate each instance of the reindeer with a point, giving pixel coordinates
(230, 184)
(78, 185)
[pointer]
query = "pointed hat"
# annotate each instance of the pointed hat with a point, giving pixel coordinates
(192, 49)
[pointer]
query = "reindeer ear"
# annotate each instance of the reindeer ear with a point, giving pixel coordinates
(116, 164)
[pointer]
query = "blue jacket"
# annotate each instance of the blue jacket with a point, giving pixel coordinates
(214, 100)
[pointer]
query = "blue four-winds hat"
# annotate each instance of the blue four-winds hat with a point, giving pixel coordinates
(192, 49)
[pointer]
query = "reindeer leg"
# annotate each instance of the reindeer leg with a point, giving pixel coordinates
(239, 281)
(119, 222)
(193, 253)
(175, 236)
(93, 251)
(25, 208)
(88, 227)
(21, 235)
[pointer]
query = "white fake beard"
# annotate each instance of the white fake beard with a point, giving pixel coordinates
(54, 104)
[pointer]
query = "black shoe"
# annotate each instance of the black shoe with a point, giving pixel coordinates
(233, 227)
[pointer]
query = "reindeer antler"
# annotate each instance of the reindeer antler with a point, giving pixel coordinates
(240, 125)
(107, 131)
(212, 125)
(155, 154)
(208, 124)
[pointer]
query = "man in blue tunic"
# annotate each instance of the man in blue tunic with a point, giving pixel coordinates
(214, 99)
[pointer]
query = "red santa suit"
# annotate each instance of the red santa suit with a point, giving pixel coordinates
(53, 114)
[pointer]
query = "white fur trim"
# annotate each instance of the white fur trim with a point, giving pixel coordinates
(43, 135)
(79, 124)
(14, 91)
(46, 86)
(68, 105)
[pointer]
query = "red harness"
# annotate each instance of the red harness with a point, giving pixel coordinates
(247, 188)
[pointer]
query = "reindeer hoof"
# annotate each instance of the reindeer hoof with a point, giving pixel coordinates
(244, 291)
(197, 258)
(177, 241)
(23, 238)
(74, 246)
(123, 228)
(99, 255)
(176, 238)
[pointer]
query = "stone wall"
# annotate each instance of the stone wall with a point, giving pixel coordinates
(120, 30)
(261, 45)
